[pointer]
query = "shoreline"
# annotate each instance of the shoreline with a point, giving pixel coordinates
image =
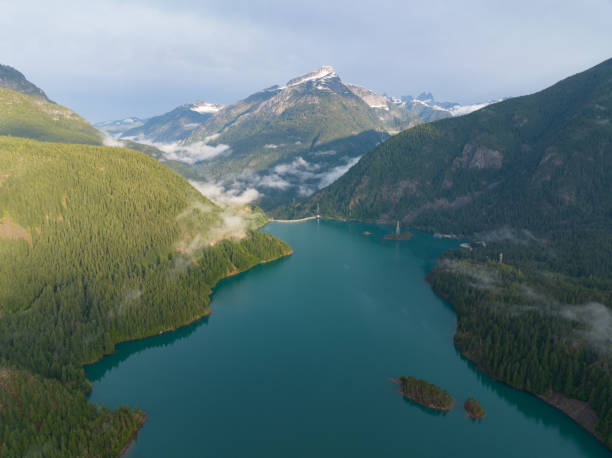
(307, 218)
(206, 313)
(132, 439)
(556, 400)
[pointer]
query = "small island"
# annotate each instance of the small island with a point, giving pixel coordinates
(424, 393)
(474, 409)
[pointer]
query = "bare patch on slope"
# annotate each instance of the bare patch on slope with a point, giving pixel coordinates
(9, 230)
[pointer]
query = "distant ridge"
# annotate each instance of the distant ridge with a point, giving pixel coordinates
(13, 79)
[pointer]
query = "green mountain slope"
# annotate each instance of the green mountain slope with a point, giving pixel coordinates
(35, 117)
(98, 245)
(530, 180)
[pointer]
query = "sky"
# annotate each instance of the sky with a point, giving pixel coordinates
(108, 59)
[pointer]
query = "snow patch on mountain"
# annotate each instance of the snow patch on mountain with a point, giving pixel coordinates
(460, 110)
(206, 107)
(426, 99)
(325, 72)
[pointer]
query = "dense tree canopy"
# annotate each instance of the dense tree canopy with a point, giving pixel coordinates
(98, 245)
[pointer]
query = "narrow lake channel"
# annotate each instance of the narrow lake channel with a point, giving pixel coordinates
(296, 357)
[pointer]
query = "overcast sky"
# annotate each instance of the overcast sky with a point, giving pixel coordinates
(109, 59)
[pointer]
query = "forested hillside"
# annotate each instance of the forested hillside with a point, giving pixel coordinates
(98, 245)
(529, 180)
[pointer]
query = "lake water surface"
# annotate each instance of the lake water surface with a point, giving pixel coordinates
(296, 357)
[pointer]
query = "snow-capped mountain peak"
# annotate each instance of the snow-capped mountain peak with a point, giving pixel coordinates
(325, 72)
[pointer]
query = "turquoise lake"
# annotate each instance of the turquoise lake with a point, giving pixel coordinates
(296, 358)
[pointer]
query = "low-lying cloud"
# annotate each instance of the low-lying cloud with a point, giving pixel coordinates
(596, 324)
(226, 216)
(219, 194)
(187, 154)
(107, 140)
(304, 176)
(593, 320)
(192, 153)
(332, 175)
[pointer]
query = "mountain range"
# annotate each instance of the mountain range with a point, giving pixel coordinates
(283, 142)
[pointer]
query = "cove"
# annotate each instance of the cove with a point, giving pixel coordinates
(295, 361)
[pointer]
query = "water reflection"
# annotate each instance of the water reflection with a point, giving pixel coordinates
(125, 350)
(530, 406)
(301, 351)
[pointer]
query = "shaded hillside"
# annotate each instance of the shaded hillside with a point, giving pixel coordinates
(529, 180)
(531, 162)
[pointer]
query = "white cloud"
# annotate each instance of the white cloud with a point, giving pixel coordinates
(190, 154)
(218, 193)
(304, 176)
(273, 181)
(187, 154)
(596, 320)
(107, 140)
(329, 177)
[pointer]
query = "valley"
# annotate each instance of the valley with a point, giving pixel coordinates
(285, 142)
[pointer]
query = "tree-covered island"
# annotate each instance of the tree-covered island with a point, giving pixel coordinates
(474, 409)
(424, 393)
